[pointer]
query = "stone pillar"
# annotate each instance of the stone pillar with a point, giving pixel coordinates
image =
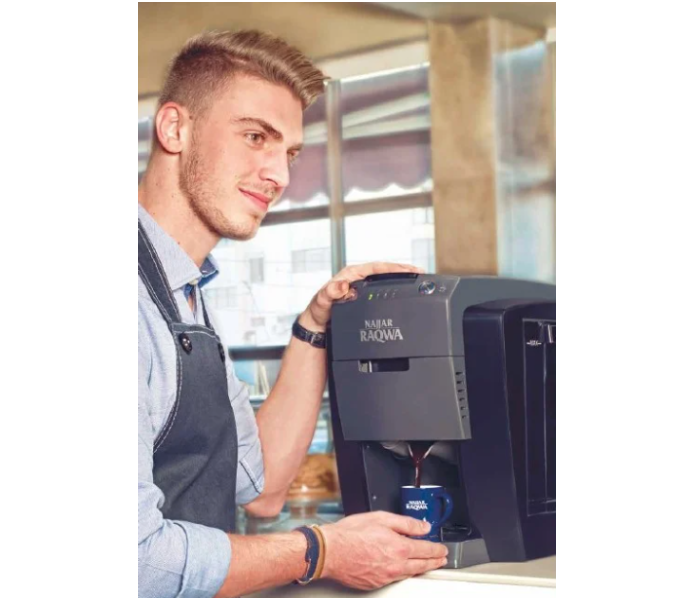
(492, 146)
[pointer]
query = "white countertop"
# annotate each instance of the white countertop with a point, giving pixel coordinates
(534, 579)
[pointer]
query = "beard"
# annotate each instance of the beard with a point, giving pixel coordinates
(196, 185)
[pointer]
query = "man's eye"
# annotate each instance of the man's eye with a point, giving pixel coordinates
(255, 138)
(292, 157)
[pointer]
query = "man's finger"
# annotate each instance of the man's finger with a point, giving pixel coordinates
(337, 289)
(427, 550)
(405, 525)
(418, 567)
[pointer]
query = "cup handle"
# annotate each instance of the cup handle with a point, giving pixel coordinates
(447, 509)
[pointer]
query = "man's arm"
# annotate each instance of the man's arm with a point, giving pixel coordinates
(263, 561)
(287, 419)
(366, 551)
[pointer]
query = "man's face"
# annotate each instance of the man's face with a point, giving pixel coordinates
(237, 161)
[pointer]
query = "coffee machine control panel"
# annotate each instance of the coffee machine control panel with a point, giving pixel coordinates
(397, 286)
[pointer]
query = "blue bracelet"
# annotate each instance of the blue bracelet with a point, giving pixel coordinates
(313, 551)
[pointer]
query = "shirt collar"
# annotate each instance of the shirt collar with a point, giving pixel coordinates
(179, 268)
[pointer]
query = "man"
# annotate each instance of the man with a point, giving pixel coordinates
(228, 125)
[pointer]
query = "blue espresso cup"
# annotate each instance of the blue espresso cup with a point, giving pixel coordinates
(429, 503)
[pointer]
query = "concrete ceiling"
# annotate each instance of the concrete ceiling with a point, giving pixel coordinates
(538, 14)
(319, 29)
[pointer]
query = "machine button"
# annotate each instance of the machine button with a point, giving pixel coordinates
(427, 288)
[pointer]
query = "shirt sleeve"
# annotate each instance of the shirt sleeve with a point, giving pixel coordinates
(250, 475)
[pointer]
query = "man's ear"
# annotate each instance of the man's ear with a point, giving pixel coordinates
(172, 127)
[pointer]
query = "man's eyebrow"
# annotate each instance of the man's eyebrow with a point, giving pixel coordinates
(269, 129)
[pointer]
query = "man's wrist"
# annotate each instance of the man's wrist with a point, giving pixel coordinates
(327, 563)
(317, 339)
(300, 539)
(307, 321)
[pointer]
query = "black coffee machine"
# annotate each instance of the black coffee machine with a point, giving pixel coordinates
(467, 363)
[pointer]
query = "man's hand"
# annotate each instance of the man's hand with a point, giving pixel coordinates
(318, 313)
(371, 550)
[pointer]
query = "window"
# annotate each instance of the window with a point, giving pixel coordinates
(257, 269)
(423, 216)
(280, 290)
(308, 186)
(423, 254)
(394, 237)
(220, 298)
(386, 134)
(307, 261)
(147, 108)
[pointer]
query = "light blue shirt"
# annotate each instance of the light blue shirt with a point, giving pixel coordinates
(178, 558)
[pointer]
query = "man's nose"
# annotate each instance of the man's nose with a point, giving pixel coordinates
(276, 169)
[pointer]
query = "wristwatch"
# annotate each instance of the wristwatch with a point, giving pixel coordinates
(315, 338)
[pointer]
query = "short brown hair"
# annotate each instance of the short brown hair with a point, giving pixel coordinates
(210, 60)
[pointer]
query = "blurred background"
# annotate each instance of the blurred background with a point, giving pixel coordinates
(434, 144)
